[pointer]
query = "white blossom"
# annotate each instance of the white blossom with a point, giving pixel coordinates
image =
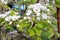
(25, 18)
(8, 18)
(44, 16)
(15, 18)
(17, 25)
(44, 8)
(38, 18)
(24, 0)
(31, 6)
(5, 2)
(36, 9)
(37, 14)
(48, 21)
(29, 12)
(10, 22)
(5, 14)
(2, 1)
(29, 17)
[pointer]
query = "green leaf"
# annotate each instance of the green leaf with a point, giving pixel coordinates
(57, 3)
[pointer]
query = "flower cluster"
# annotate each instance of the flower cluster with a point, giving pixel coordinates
(36, 8)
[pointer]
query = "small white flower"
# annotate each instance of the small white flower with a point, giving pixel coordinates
(2, 1)
(16, 13)
(2, 15)
(37, 14)
(48, 10)
(48, 21)
(25, 18)
(24, 0)
(29, 12)
(38, 18)
(29, 17)
(31, 6)
(5, 2)
(47, 0)
(44, 8)
(44, 16)
(10, 22)
(36, 9)
(18, 25)
(8, 18)
(15, 18)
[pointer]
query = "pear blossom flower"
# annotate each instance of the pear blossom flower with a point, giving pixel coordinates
(31, 6)
(29, 12)
(44, 8)
(48, 21)
(8, 18)
(29, 17)
(44, 16)
(17, 25)
(24, 0)
(5, 2)
(25, 18)
(36, 9)
(10, 22)
(4, 15)
(38, 18)
(37, 14)
(13, 18)
(2, 1)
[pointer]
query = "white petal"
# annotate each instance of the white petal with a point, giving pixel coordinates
(10, 22)
(17, 25)
(37, 14)
(38, 18)
(25, 18)
(29, 12)
(44, 16)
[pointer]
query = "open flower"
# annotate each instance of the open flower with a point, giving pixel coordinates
(8, 18)
(38, 18)
(14, 18)
(44, 16)
(37, 14)
(36, 9)
(5, 14)
(29, 12)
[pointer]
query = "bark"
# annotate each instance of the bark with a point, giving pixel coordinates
(58, 20)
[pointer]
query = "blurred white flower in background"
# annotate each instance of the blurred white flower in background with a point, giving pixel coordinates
(29, 12)
(5, 2)
(10, 22)
(37, 14)
(5, 14)
(24, 0)
(44, 16)
(36, 9)
(25, 18)
(38, 18)
(18, 25)
(8, 18)
(48, 21)
(13, 18)
(2, 1)
(29, 17)
(44, 8)
(30, 6)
